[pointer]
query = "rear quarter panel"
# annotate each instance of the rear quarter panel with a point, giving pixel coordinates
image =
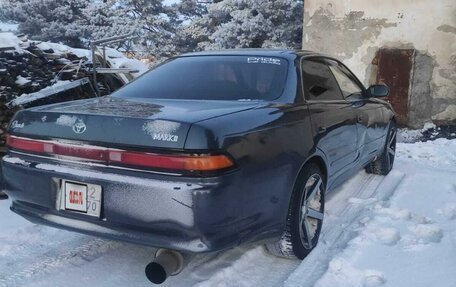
(269, 145)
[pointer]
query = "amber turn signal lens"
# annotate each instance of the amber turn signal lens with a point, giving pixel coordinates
(208, 163)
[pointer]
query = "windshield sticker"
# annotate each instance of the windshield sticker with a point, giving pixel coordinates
(262, 60)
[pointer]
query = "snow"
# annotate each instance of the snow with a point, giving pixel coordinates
(10, 40)
(429, 132)
(127, 63)
(64, 49)
(408, 135)
(21, 81)
(7, 27)
(16, 160)
(26, 98)
(118, 60)
(398, 230)
(114, 57)
(65, 120)
(160, 126)
(428, 126)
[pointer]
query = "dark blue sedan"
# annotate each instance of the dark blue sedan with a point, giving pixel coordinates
(202, 153)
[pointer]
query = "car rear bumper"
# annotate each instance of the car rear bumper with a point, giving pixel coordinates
(188, 214)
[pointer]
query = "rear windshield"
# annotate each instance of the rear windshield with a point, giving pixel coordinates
(212, 78)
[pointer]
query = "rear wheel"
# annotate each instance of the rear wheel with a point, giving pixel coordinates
(305, 216)
(384, 163)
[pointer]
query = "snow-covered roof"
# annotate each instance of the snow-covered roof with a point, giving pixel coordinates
(8, 27)
(8, 39)
(64, 49)
(114, 57)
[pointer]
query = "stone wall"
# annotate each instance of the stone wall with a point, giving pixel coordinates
(355, 30)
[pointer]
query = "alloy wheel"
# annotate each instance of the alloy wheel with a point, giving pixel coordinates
(311, 216)
(391, 146)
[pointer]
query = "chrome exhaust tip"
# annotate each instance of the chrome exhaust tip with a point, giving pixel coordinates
(166, 263)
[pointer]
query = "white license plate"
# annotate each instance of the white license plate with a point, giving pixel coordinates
(81, 197)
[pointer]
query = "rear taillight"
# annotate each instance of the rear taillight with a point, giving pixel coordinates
(177, 162)
(108, 156)
(28, 145)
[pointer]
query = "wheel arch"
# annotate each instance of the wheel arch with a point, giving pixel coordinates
(319, 160)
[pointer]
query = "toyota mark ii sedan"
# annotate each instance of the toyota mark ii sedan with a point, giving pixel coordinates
(204, 152)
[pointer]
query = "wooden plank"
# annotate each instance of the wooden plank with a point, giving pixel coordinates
(3, 49)
(46, 92)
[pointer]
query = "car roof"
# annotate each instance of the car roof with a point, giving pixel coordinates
(255, 52)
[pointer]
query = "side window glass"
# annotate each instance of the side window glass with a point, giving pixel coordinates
(347, 82)
(319, 82)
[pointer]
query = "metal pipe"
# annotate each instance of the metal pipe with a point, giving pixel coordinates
(120, 37)
(119, 40)
(166, 263)
(93, 47)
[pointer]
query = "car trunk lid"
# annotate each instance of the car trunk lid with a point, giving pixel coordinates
(117, 122)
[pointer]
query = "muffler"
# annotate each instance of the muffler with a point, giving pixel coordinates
(166, 263)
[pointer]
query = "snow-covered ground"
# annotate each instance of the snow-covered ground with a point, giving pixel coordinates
(398, 230)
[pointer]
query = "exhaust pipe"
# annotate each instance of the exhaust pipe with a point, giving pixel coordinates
(166, 263)
(3, 195)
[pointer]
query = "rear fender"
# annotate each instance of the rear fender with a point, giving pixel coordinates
(317, 157)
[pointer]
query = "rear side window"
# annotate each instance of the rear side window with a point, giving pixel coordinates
(212, 78)
(319, 82)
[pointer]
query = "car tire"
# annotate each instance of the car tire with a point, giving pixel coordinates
(305, 216)
(384, 164)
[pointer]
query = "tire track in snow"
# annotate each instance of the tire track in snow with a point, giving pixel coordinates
(29, 241)
(237, 267)
(340, 224)
(252, 263)
(47, 263)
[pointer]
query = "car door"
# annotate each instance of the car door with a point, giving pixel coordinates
(369, 112)
(333, 118)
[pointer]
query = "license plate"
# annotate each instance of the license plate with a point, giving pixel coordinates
(81, 197)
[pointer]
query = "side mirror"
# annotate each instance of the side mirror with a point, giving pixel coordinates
(378, 91)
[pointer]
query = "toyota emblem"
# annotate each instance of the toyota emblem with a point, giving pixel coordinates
(79, 127)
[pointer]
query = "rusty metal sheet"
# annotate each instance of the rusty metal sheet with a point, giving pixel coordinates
(395, 68)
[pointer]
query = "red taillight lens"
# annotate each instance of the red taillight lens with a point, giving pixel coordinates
(176, 162)
(195, 162)
(28, 145)
(48, 147)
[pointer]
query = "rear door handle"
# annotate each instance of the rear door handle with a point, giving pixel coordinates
(360, 118)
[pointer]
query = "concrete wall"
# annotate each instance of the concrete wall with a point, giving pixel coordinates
(354, 30)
